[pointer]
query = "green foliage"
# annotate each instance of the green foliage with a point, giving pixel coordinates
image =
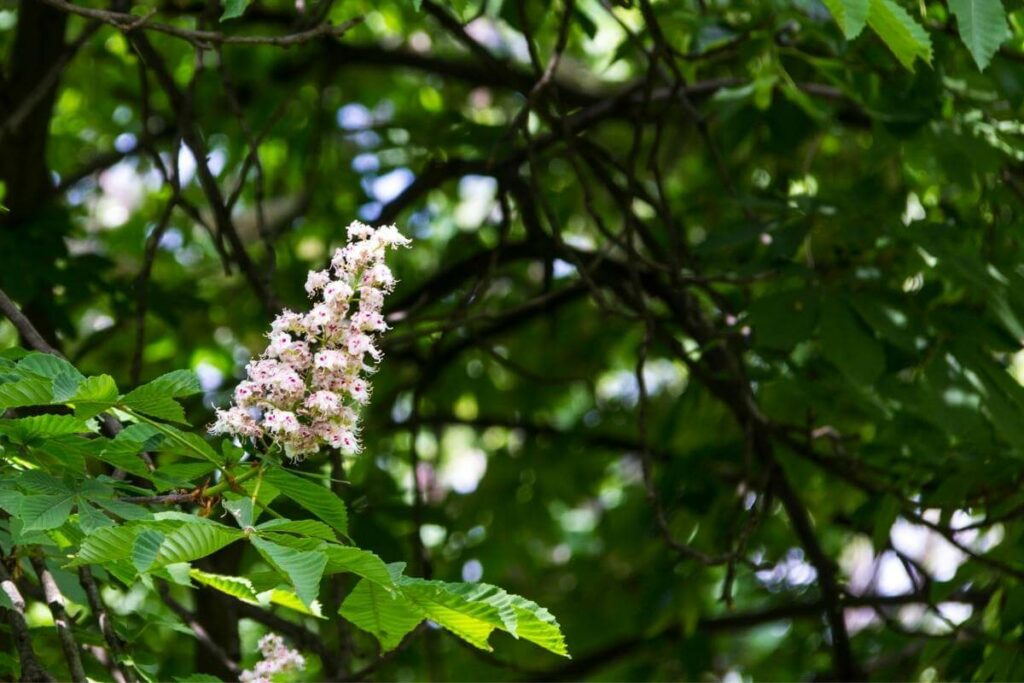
(982, 24)
(156, 398)
(304, 569)
(983, 27)
(132, 544)
(851, 15)
(799, 222)
(907, 39)
(318, 499)
(234, 9)
(470, 611)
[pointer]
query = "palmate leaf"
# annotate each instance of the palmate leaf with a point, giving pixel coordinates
(146, 548)
(318, 499)
(302, 527)
(472, 620)
(123, 451)
(537, 625)
(31, 391)
(27, 430)
(39, 513)
(90, 519)
(983, 27)
(303, 568)
(237, 587)
(472, 611)
(177, 538)
(156, 398)
(63, 377)
(387, 614)
(240, 508)
(344, 558)
(851, 15)
(106, 545)
(243, 589)
(93, 396)
(47, 365)
(906, 38)
(194, 540)
(185, 443)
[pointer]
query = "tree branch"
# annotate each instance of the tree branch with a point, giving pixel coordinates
(55, 601)
(129, 23)
(31, 669)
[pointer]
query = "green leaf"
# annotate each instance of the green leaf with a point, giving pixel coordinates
(302, 527)
(287, 598)
(386, 614)
(851, 15)
(847, 345)
(47, 365)
(906, 38)
(123, 451)
(26, 392)
(156, 398)
(234, 8)
(186, 443)
(39, 513)
(304, 569)
(473, 610)
(146, 547)
(106, 545)
(93, 396)
(241, 509)
(235, 586)
(25, 430)
(318, 499)
(90, 519)
(193, 540)
(537, 625)
(177, 383)
(470, 619)
(126, 511)
(343, 558)
(149, 402)
(36, 481)
(983, 27)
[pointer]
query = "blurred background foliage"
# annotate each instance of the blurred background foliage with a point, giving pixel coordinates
(709, 340)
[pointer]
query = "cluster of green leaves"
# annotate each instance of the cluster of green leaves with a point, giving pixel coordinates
(982, 24)
(55, 503)
(866, 233)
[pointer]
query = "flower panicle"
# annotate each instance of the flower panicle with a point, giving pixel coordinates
(304, 391)
(277, 659)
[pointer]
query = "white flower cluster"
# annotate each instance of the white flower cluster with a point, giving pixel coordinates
(304, 390)
(277, 659)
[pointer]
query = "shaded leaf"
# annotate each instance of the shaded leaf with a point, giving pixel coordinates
(851, 15)
(983, 27)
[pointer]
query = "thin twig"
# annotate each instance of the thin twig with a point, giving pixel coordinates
(130, 23)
